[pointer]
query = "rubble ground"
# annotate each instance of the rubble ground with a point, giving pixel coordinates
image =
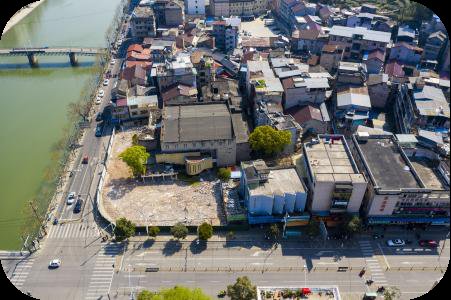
(162, 203)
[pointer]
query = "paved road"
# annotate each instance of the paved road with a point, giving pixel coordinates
(93, 147)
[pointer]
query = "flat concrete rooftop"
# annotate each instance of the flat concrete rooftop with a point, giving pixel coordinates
(389, 168)
(427, 171)
(279, 182)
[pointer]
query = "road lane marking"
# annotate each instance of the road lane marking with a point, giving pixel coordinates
(383, 254)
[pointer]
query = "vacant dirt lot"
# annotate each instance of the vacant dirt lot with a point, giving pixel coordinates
(162, 203)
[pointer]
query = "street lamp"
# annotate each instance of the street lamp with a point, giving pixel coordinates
(305, 276)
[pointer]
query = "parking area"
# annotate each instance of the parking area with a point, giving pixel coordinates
(162, 202)
(257, 28)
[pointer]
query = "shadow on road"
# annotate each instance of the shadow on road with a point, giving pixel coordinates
(197, 246)
(171, 247)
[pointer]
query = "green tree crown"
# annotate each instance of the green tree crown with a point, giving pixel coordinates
(179, 231)
(268, 141)
(124, 229)
(205, 231)
(135, 157)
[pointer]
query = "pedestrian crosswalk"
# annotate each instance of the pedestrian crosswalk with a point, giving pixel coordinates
(103, 272)
(73, 230)
(21, 271)
(377, 275)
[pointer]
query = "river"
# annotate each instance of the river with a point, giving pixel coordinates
(34, 102)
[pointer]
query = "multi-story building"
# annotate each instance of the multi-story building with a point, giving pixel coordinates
(422, 107)
(331, 55)
(261, 83)
(350, 73)
(301, 91)
(205, 129)
(356, 40)
(142, 22)
(179, 70)
(335, 184)
(195, 7)
(406, 53)
(401, 189)
(225, 33)
(174, 13)
(227, 8)
(434, 45)
(272, 194)
(352, 107)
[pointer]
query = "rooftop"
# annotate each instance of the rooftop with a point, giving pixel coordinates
(427, 171)
(142, 12)
(389, 167)
(330, 159)
(431, 101)
(271, 181)
(354, 97)
(196, 123)
(369, 35)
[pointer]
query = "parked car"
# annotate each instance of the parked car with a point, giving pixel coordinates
(101, 93)
(78, 205)
(395, 243)
(99, 130)
(113, 61)
(106, 82)
(98, 100)
(70, 198)
(428, 243)
(85, 159)
(54, 263)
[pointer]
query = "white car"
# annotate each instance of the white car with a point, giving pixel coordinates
(55, 263)
(71, 198)
(113, 61)
(106, 82)
(98, 100)
(101, 93)
(395, 243)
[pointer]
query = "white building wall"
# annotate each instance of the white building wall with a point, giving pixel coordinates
(322, 196)
(358, 192)
(195, 7)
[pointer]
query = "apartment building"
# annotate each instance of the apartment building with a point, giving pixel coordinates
(335, 184)
(356, 40)
(195, 7)
(226, 32)
(179, 70)
(142, 22)
(227, 8)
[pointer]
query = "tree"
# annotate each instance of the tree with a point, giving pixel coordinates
(80, 109)
(124, 229)
(224, 174)
(145, 295)
(135, 157)
(353, 224)
(268, 141)
(175, 293)
(273, 231)
(312, 227)
(154, 231)
(242, 289)
(392, 293)
(205, 231)
(179, 231)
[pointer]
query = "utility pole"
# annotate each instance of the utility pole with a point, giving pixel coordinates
(37, 217)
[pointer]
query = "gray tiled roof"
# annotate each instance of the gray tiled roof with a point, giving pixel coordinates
(196, 123)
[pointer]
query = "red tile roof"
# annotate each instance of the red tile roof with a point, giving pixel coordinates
(394, 68)
(178, 90)
(378, 54)
(135, 47)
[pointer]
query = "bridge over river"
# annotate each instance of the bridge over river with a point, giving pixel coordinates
(31, 53)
